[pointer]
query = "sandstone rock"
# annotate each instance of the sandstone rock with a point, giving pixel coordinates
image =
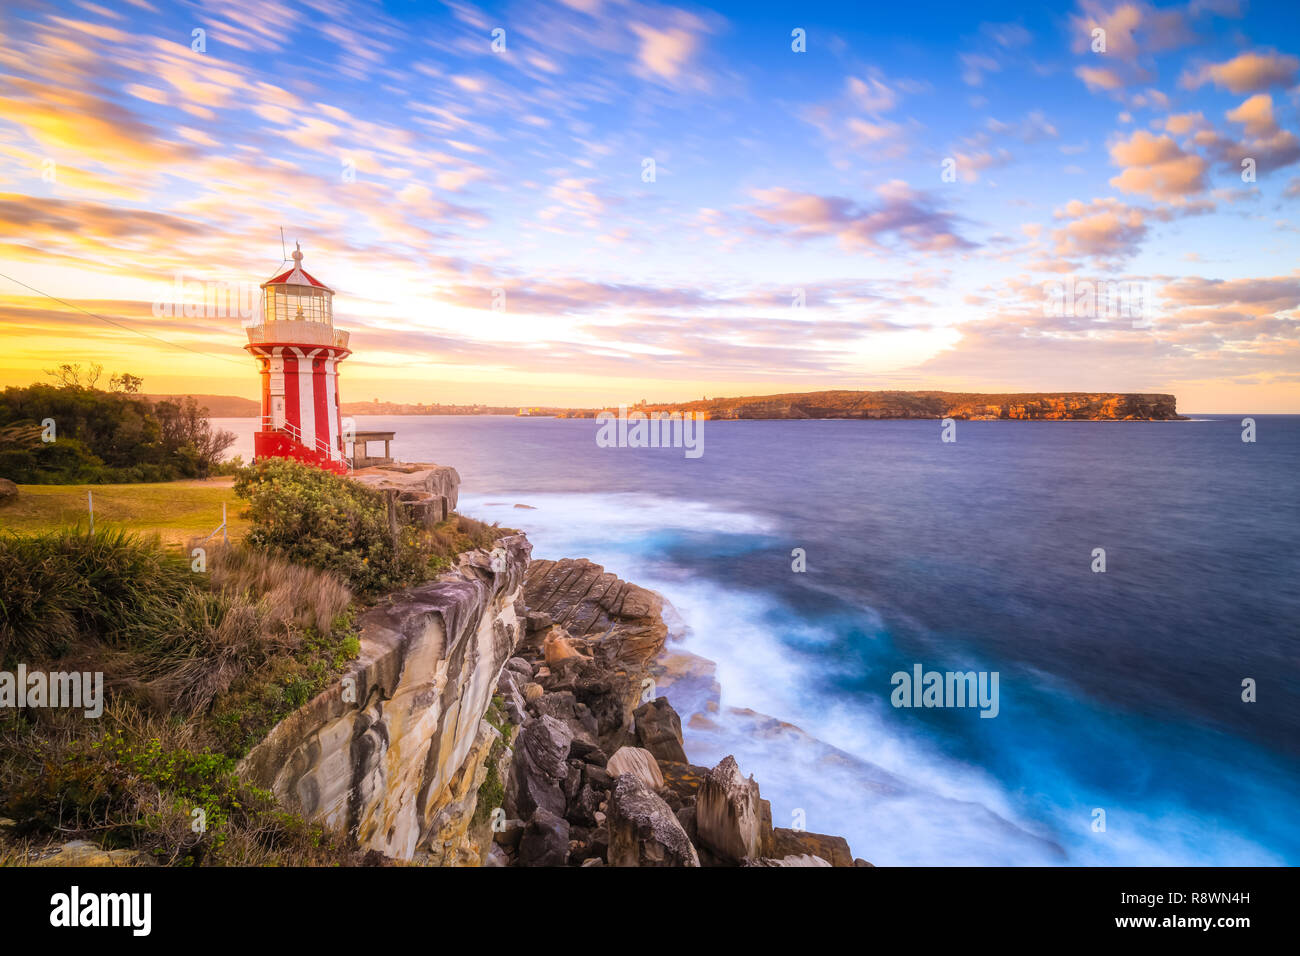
(8, 491)
(804, 859)
(589, 602)
(684, 779)
(659, 730)
(397, 759)
(728, 815)
(532, 692)
(597, 777)
(85, 853)
(558, 646)
(835, 849)
(515, 705)
(637, 762)
(545, 841)
(643, 831)
(510, 834)
(430, 491)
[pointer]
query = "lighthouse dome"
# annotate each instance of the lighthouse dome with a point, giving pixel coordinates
(297, 308)
(297, 296)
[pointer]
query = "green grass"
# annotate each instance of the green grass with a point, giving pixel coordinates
(176, 511)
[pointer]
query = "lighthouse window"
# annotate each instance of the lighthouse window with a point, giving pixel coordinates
(283, 305)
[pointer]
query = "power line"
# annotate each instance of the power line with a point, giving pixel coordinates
(96, 315)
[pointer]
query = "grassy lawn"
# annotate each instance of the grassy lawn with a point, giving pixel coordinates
(176, 510)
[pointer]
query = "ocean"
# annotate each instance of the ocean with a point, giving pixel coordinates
(1121, 735)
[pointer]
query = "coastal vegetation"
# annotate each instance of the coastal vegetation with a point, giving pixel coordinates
(75, 432)
(203, 650)
(198, 662)
(359, 533)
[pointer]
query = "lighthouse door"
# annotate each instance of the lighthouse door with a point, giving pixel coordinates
(277, 411)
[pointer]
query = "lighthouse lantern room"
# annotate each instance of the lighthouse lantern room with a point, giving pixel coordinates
(298, 352)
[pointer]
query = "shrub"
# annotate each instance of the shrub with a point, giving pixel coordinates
(320, 519)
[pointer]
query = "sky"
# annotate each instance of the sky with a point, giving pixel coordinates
(596, 201)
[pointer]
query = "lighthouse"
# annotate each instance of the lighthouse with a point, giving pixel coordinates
(298, 352)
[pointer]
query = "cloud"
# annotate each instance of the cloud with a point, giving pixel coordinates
(900, 215)
(1247, 73)
(665, 53)
(1157, 166)
(1099, 78)
(975, 65)
(871, 94)
(1105, 229)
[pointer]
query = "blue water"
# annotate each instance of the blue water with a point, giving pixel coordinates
(1119, 691)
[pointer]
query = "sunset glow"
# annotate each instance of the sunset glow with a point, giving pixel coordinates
(651, 188)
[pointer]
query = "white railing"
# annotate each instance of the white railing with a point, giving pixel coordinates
(300, 332)
(315, 444)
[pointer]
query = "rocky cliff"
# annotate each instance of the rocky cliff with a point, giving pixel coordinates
(505, 714)
(395, 753)
(1035, 406)
(599, 775)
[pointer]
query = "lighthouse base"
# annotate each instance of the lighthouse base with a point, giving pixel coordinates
(281, 445)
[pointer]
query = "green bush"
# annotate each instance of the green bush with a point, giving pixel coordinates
(315, 517)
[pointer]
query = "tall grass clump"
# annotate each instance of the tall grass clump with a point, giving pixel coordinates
(198, 664)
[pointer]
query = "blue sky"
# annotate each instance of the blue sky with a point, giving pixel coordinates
(422, 170)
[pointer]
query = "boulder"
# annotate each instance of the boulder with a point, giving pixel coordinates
(642, 830)
(683, 779)
(520, 667)
(8, 491)
(85, 853)
(545, 841)
(728, 814)
(659, 730)
(640, 763)
(540, 766)
(786, 842)
(559, 646)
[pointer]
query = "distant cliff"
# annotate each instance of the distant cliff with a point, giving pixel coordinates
(1033, 406)
(217, 406)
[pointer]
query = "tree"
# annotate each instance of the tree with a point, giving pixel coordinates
(187, 434)
(72, 376)
(125, 382)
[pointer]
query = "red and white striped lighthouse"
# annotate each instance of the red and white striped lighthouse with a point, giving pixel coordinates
(298, 351)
